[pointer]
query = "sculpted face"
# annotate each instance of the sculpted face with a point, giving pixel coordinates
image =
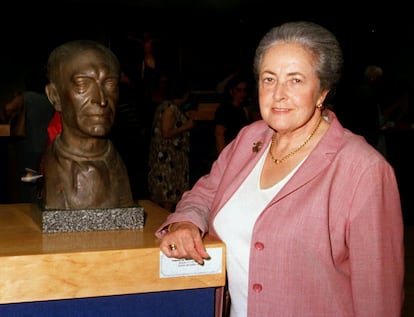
(89, 94)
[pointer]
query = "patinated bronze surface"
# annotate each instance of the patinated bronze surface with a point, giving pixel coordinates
(82, 169)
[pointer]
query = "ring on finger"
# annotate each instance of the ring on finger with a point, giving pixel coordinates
(173, 247)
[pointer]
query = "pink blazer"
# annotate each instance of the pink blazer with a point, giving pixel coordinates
(330, 243)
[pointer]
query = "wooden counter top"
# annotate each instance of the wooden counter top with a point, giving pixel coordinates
(4, 130)
(38, 266)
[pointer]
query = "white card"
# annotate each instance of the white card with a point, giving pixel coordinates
(172, 267)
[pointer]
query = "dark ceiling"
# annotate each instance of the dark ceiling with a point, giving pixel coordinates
(209, 33)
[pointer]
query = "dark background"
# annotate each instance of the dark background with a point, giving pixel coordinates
(201, 38)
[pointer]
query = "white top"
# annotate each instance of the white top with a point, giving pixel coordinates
(234, 224)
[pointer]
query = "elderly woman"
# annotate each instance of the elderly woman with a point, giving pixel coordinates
(309, 211)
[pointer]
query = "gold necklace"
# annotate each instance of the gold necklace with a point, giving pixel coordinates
(278, 161)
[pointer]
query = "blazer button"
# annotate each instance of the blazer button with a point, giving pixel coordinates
(257, 288)
(259, 246)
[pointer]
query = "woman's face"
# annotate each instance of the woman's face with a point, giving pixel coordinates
(289, 89)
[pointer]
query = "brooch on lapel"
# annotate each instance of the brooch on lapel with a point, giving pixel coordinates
(257, 146)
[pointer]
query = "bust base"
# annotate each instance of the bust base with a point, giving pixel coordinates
(73, 220)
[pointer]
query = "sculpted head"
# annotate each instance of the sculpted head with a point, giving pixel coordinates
(83, 86)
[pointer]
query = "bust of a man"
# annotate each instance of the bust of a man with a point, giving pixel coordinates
(81, 167)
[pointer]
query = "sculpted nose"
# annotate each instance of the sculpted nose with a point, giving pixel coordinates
(104, 102)
(100, 96)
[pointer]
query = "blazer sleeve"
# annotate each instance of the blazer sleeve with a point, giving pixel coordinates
(376, 246)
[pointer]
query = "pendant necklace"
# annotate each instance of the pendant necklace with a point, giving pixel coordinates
(278, 161)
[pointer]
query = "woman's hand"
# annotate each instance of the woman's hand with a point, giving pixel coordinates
(184, 240)
(188, 125)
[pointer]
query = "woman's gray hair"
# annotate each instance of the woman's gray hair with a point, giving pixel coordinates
(313, 37)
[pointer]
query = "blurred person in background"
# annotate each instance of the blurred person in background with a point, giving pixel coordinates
(168, 174)
(232, 113)
(29, 113)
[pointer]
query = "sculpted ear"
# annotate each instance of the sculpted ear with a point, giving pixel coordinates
(53, 96)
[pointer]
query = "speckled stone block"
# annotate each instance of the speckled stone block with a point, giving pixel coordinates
(52, 220)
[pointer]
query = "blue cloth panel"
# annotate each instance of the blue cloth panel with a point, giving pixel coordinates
(194, 302)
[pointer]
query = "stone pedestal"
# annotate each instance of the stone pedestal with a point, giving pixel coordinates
(52, 220)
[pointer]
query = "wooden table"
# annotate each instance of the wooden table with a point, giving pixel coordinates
(36, 266)
(4, 129)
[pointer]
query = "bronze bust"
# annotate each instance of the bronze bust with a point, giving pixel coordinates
(82, 169)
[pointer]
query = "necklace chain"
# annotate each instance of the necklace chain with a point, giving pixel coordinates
(278, 161)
